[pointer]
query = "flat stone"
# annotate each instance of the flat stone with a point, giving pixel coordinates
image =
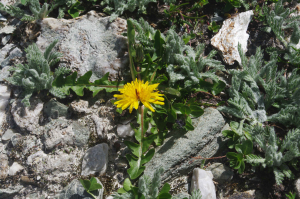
(6, 193)
(7, 30)
(75, 190)
(232, 33)
(103, 125)
(8, 134)
(221, 173)
(203, 180)
(95, 160)
(88, 43)
(174, 155)
(15, 168)
(55, 109)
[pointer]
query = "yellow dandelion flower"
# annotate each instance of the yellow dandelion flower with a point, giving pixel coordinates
(138, 91)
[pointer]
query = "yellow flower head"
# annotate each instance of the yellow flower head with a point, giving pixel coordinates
(138, 91)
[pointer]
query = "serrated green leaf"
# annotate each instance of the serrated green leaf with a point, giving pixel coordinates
(147, 141)
(165, 189)
(218, 87)
(136, 169)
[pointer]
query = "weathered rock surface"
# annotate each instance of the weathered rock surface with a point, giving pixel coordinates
(203, 180)
(95, 160)
(63, 132)
(232, 33)
(8, 134)
(174, 155)
(75, 190)
(6, 193)
(221, 173)
(89, 42)
(27, 118)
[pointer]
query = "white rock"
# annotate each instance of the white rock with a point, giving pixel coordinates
(8, 134)
(95, 160)
(232, 33)
(125, 130)
(203, 180)
(15, 168)
(5, 39)
(4, 99)
(27, 118)
(7, 30)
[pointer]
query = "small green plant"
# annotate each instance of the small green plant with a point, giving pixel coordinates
(91, 185)
(36, 75)
(290, 195)
(149, 189)
(214, 27)
(34, 6)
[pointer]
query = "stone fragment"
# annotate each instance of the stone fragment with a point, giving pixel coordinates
(95, 160)
(125, 130)
(8, 134)
(88, 43)
(7, 30)
(3, 166)
(5, 39)
(79, 107)
(75, 190)
(297, 186)
(16, 139)
(27, 118)
(203, 180)
(55, 109)
(232, 33)
(4, 100)
(10, 191)
(174, 155)
(15, 168)
(221, 173)
(6, 55)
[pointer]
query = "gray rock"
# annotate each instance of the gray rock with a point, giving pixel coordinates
(3, 166)
(4, 100)
(95, 160)
(5, 193)
(16, 139)
(222, 173)
(64, 132)
(8, 134)
(16, 52)
(89, 42)
(181, 195)
(7, 30)
(297, 186)
(174, 155)
(55, 109)
(75, 190)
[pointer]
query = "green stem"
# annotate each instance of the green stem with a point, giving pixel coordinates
(92, 194)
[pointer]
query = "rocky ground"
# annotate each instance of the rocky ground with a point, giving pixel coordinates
(47, 148)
